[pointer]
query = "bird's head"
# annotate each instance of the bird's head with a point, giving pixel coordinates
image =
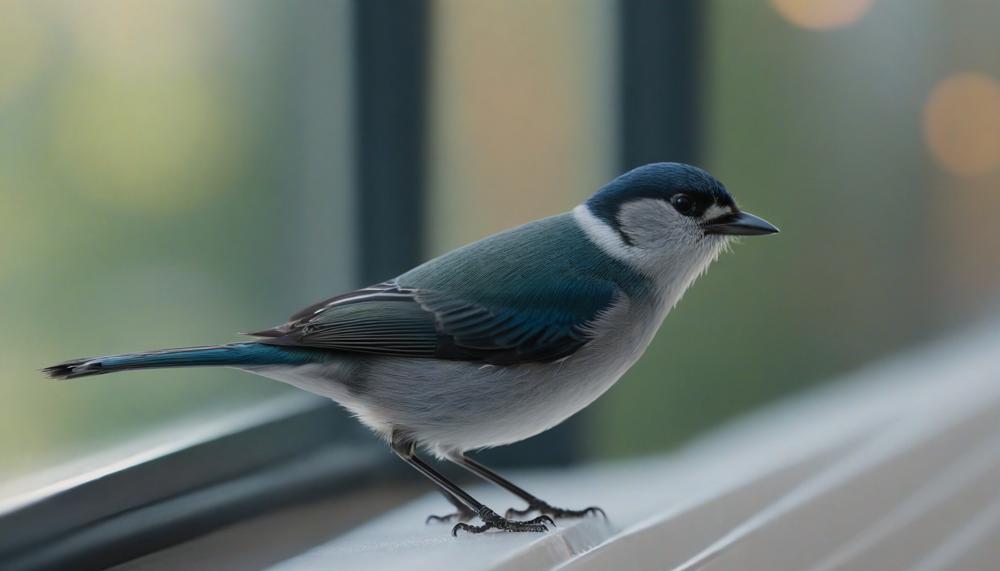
(666, 217)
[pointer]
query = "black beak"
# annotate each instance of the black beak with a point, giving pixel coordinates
(739, 224)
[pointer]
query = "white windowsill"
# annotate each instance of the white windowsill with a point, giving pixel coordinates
(895, 467)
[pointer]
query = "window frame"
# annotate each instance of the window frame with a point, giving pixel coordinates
(272, 455)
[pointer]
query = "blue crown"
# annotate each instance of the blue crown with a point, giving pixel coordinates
(657, 181)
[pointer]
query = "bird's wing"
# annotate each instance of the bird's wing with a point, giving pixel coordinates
(388, 319)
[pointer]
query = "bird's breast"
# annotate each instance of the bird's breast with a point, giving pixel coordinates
(524, 400)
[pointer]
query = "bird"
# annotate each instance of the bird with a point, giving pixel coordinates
(498, 340)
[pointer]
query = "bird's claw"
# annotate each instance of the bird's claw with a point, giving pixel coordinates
(491, 520)
(545, 509)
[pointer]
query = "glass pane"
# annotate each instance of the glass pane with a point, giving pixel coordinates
(172, 172)
(523, 112)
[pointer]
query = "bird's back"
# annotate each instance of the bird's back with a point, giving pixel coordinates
(546, 260)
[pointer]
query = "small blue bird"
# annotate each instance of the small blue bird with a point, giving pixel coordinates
(501, 339)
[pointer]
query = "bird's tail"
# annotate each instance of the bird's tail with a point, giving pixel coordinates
(234, 355)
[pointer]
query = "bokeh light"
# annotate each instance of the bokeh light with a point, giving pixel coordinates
(822, 14)
(962, 123)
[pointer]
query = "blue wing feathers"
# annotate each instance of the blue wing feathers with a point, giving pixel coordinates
(524, 295)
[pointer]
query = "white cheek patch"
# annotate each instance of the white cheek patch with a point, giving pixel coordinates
(601, 234)
(715, 211)
(654, 224)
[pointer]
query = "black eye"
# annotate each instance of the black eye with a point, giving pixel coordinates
(683, 204)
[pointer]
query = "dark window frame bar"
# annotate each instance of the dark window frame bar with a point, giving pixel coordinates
(660, 44)
(391, 48)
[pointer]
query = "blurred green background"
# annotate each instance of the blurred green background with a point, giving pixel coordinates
(159, 187)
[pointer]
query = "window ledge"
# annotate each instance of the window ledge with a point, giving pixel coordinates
(183, 482)
(895, 467)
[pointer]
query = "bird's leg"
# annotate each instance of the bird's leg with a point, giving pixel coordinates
(462, 512)
(534, 504)
(491, 520)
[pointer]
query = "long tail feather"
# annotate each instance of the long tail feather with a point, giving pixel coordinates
(215, 356)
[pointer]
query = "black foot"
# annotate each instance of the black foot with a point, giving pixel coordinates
(545, 509)
(463, 514)
(493, 521)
